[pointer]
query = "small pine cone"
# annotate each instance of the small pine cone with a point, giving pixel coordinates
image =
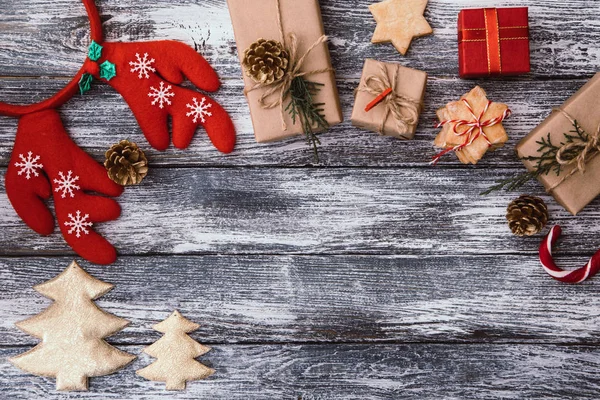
(527, 215)
(126, 163)
(266, 61)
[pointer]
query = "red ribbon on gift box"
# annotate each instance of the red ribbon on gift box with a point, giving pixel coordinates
(492, 35)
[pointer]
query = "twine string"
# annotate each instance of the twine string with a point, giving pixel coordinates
(590, 148)
(475, 130)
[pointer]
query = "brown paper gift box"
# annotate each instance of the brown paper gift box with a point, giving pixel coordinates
(580, 189)
(410, 82)
(256, 19)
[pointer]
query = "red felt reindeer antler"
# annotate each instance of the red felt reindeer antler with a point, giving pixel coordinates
(147, 77)
(45, 161)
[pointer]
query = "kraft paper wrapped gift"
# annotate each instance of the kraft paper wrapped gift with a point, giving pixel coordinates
(258, 19)
(578, 190)
(398, 113)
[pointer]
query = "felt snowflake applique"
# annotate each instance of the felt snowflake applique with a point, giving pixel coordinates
(79, 224)
(143, 66)
(28, 165)
(161, 95)
(66, 184)
(199, 110)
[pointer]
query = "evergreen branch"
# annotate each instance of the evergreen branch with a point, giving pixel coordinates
(547, 161)
(512, 184)
(303, 108)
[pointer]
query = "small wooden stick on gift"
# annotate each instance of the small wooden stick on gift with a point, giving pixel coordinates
(378, 99)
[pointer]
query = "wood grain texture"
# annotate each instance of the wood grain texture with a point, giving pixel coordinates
(309, 372)
(325, 299)
(101, 118)
(313, 211)
(563, 43)
(372, 276)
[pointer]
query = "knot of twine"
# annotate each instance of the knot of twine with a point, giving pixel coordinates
(282, 87)
(475, 130)
(586, 150)
(404, 109)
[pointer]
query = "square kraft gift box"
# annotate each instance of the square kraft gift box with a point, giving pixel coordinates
(572, 188)
(493, 42)
(259, 19)
(393, 95)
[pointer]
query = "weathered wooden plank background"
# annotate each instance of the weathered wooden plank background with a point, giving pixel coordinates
(370, 276)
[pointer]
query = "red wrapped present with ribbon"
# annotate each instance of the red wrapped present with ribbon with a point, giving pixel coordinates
(493, 42)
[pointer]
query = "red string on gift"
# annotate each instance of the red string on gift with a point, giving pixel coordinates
(475, 130)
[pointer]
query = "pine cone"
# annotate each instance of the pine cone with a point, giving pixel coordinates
(527, 215)
(126, 163)
(266, 61)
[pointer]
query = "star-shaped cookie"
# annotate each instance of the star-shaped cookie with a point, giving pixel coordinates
(399, 21)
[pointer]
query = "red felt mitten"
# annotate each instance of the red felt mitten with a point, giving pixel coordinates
(147, 75)
(45, 162)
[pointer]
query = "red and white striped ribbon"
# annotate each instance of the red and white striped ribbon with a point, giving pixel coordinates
(576, 276)
(475, 128)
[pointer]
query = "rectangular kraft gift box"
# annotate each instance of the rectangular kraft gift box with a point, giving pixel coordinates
(580, 189)
(410, 82)
(493, 41)
(257, 19)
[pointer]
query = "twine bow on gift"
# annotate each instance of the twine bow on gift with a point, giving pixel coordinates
(282, 87)
(577, 151)
(403, 109)
(475, 130)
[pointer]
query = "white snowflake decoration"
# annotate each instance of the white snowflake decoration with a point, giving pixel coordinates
(199, 110)
(28, 165)
(161, 96)
(143, 66)
(78, 224)
(66, 184)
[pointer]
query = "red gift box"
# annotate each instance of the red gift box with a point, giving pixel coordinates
(493, 42)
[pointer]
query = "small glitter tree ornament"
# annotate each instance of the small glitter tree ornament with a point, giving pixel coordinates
(175, 353)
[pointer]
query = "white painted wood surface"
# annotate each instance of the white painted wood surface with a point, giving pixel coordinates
(371, 276)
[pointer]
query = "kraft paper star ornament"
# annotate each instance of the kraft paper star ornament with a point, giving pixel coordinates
(399, 21)
(495, 135)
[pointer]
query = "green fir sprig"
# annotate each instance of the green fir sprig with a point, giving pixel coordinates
(546, 162)
(302, 107)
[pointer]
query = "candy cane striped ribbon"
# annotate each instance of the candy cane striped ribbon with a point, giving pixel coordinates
(475, 128)
(576, 276)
